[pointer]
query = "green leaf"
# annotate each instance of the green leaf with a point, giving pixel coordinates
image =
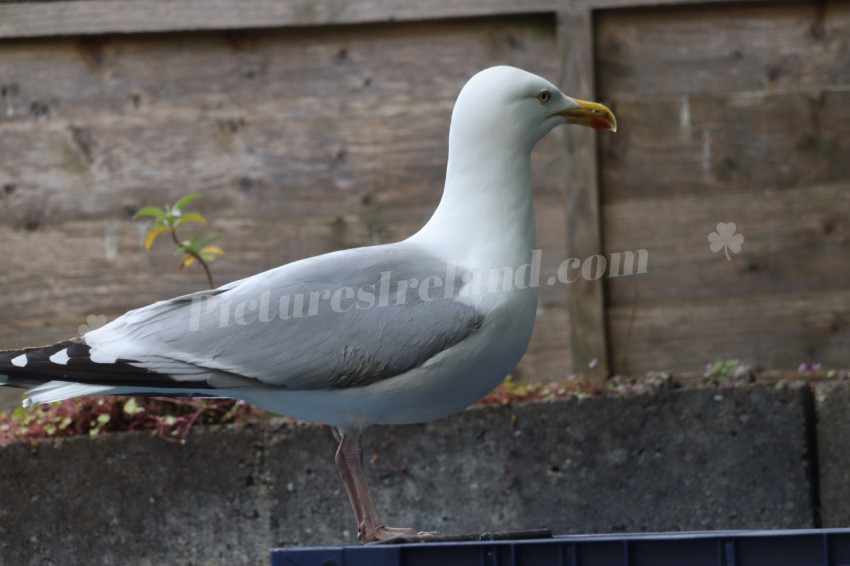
(186, 200)
(208, 239)
(190, 217)
(150, 211)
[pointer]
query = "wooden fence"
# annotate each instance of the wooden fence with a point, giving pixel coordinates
(312, 125)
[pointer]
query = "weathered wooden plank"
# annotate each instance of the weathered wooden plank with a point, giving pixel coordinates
(795, 241)
(48, 271)
(735, 115)
(273, 167)
(547, 358)
(585, 297)
(713, 144)
(354, 119)
(378, 167)
(78, 17)
(770, 331)
(683, 50)
(307, 71)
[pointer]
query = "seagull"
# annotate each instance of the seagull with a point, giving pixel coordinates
(398, 333)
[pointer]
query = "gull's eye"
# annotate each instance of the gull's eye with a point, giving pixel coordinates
(544, 96)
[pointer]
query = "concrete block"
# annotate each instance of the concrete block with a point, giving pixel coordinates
(833, 441)
(133, 499)
(732, 458)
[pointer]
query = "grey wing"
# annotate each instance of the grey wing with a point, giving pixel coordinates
(340, 320)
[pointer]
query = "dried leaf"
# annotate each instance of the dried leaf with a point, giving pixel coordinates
(212, 250)
(152, 234)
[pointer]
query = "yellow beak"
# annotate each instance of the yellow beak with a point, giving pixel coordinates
(590, 114)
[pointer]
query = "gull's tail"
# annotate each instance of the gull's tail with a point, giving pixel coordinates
(46, 370)
(71, 368)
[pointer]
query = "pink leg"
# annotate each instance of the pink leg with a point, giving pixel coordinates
(345, 474)
(349, 460)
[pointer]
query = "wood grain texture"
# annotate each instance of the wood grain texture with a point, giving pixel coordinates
(77, 17)
(776, 330)
(692, 307)
(794, 241)
(724, 144)
(302, 142)
(334, 118)
(734, 115)
(764, 46)
(585, 297)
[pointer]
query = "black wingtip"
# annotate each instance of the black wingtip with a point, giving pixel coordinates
(71, 360)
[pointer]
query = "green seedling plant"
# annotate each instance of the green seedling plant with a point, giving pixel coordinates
(720, 369)
(171, 217)
(170, 419)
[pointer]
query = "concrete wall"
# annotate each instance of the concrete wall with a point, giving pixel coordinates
(740, 457)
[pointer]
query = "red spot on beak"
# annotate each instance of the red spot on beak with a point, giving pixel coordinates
(600, 124)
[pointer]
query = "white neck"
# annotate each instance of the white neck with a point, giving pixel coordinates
(486, 215)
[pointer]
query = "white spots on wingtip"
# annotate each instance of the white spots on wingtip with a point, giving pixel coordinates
(21, 361)
(60, 357)
(100, 357)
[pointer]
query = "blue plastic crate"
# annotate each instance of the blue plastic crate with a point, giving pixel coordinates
(813, 547)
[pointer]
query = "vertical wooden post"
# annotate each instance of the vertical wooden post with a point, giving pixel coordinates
(585, 299)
